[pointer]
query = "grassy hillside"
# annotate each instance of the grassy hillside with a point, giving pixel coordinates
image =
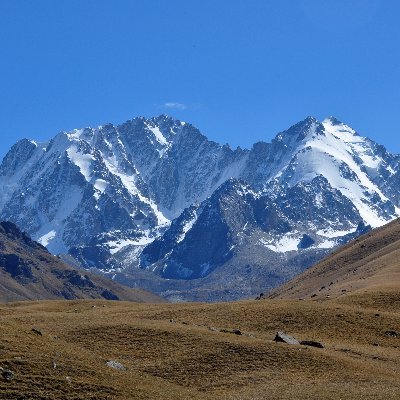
(180, 351)
(350, 302)
(29, 272)
(369, 263)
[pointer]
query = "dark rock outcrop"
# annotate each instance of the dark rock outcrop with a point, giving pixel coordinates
(312, 343)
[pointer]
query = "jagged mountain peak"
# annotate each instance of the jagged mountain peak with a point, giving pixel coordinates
(160, 130)
(17, 157)
(341, 130)
(311, 128)
(303, 126)
(349, 162)
(334, 123)
(295, 137)
(333, 120)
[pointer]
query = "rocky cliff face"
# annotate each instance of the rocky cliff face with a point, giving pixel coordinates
(154, 202)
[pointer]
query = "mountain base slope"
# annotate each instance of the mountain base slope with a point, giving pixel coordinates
(369, 263)
(29, 272)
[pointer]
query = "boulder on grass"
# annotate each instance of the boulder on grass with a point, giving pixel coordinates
(116, 365)
(8, 375)
(283, 337)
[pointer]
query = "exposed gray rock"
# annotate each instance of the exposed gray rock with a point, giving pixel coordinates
(116, 365)
(306, 242)
(283, 337)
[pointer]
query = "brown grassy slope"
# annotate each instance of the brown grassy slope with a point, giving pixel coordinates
(369, 263)
(177, 351)
(29, 272)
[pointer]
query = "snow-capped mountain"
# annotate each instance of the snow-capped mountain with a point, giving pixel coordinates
(154, 202)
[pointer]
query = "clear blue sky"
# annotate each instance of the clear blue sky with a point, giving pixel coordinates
(240, 70)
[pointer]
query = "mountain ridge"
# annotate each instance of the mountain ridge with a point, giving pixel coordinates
(127, 184)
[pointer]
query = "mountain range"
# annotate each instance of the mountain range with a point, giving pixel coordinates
(154, 204)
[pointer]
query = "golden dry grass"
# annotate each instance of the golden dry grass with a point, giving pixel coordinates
(176, 351)
(373, 260)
